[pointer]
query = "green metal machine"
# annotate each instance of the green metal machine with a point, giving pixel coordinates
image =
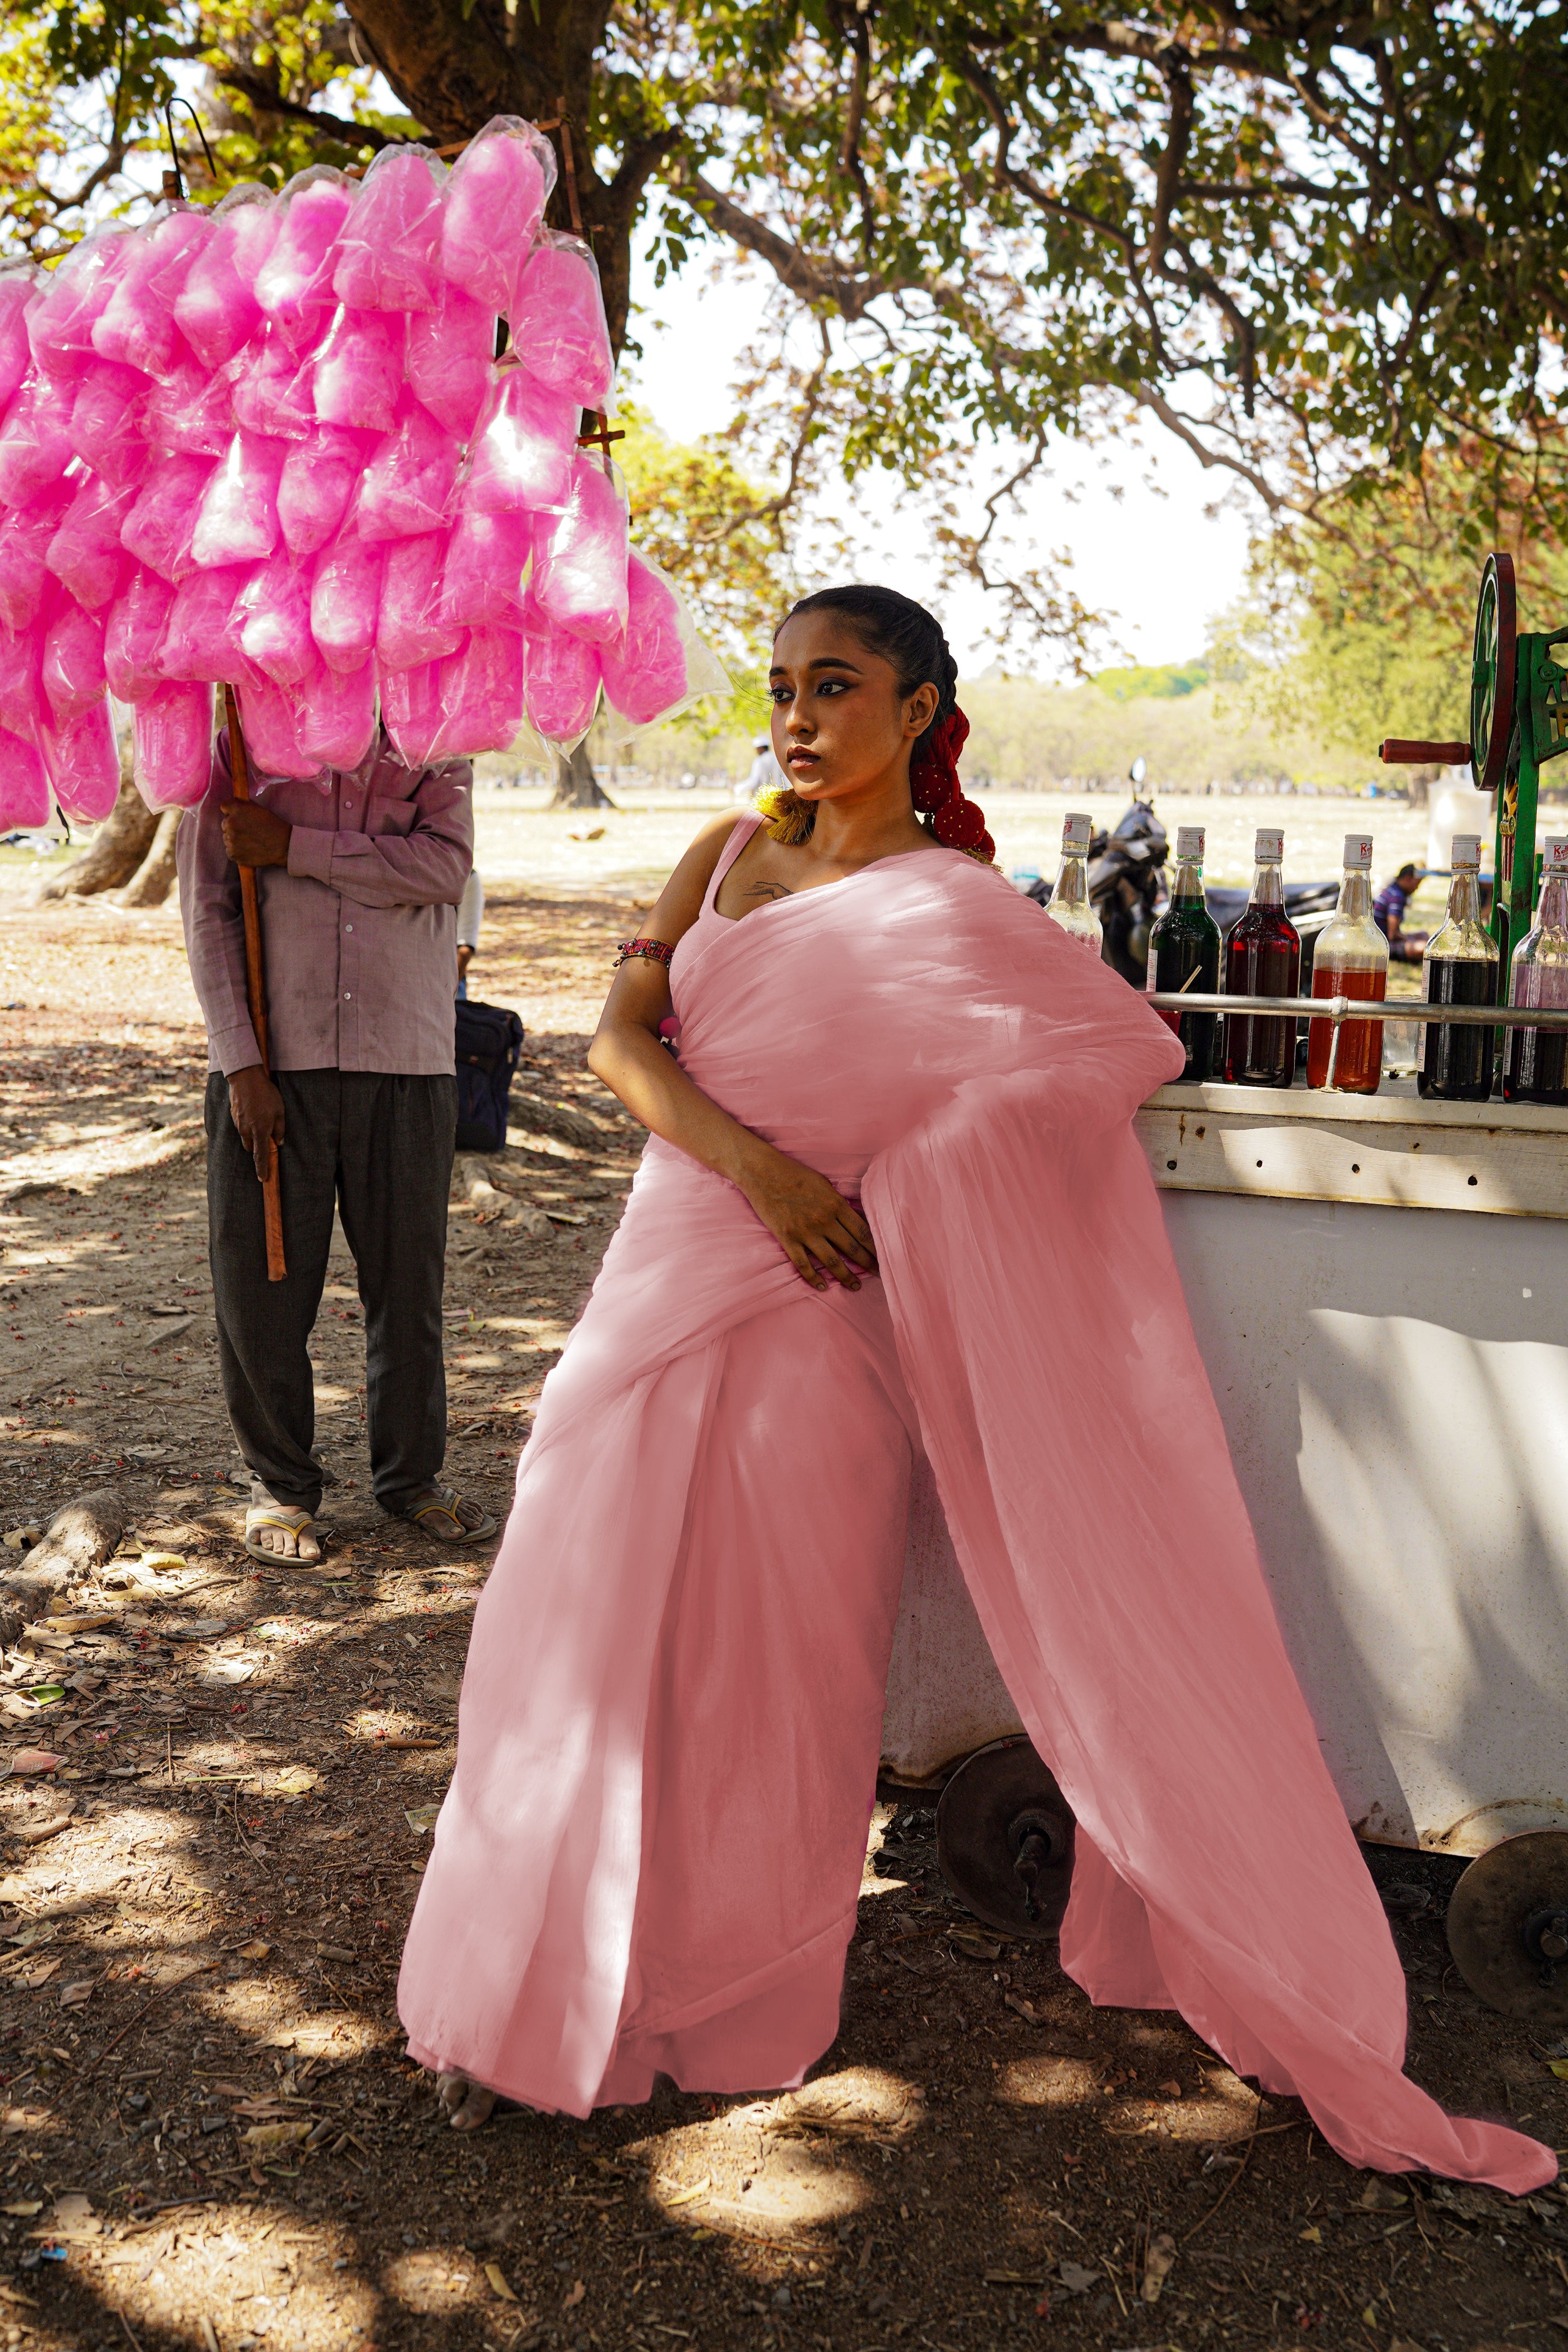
(1519, 720)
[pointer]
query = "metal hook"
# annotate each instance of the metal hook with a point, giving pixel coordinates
(169, 106)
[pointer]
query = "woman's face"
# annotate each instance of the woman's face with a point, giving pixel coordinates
(840, 724)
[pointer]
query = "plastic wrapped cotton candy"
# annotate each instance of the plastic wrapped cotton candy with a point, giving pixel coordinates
(337, 716)
(192, 411)
(409, 483)
(60, 322)
(105, 429)
(294, 284)
(217, 311)
(481, 696)
(580, 558)
(484, 584)
(495, 201)
(389, 256)
(525, 448)
(158, 529)
(318, 478)
(134, 633)
(23, 705)
(35, 440)
(346, 600)
(645, 669)
(410, 630)
(175, 746)
(201, 639)
(86, 552)
(269, 716)
(238, 519)
(137, 325)
(561, 685)
(18, 289)
(358, 372)
(24, 786)
(411, 709)
(272, 615)
(82, 762)
(558, 321)
(72, 670)
(27, 584)
(448, 359)
(274, 389)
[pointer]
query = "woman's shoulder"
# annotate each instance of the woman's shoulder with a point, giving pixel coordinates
(681, 899)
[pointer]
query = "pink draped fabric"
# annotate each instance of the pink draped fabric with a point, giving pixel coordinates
(650, 1852)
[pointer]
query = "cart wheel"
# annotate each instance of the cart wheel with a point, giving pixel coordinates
(1005, 1840)
(1508, 1927)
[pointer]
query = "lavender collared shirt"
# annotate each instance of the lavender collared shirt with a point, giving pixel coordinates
(359, 932)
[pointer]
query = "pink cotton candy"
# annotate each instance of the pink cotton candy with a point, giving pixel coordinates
(410, 630)
(580, 559)
(86, 552)
(105, 429)
(83, 761)
(60, 322)
(217, 311)
(495, 200)
(482, 695)
(272, 615)
(192, 411)
(410, 481)
(269, 716)
(23, 705)
(561, 685)
(346, 600)
(294, 284)
(35, 440)
(645, 669)
(558, 321)
(273, 389)
(134, 633)
(173, 741)
(525, 448)
(318, 478)
(27, 584)
(137, 325)
(448, 359)
(201, 641)
(73, 672)
(18, 290)
(238, 519)
(24, 786)
(358, 372)
(411, 710)
(484, 582)
(389, 254)
(337, 716)
(158, 529)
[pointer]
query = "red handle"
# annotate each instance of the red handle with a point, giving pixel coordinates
(1397, 752)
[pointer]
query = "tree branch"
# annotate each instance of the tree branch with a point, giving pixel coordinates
(269, 100)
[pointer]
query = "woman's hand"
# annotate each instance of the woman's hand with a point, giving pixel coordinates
(815, 1224)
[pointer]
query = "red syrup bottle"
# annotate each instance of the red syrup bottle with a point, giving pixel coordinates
(1262, 958)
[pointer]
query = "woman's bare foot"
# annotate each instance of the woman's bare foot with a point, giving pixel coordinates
(467, 2104)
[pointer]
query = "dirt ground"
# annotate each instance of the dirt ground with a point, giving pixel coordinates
(209, 2136)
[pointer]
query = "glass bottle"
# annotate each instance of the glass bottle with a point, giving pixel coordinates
(1262, 958)
(1183, 953)
(1535, 1066)
(1459, 967)
(1068, 904)
(1351, 961)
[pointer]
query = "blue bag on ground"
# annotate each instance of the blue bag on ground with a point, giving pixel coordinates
(488, 1045)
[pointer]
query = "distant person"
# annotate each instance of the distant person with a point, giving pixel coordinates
(1388, 913)
(470, 915)
(764, 775)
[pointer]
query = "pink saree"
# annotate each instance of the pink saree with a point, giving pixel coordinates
(650, 1853)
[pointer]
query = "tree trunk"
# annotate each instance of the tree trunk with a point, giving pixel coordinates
(576, 786)
(115, 851)
(154, 878)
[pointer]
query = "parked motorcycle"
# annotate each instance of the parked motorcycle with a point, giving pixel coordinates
(1126, 888)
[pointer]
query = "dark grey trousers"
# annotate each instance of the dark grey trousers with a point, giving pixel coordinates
(380, 1147)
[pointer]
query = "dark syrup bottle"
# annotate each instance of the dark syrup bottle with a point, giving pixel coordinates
(1184, 951)
(1262, 958)
(1535, 1066)
(1459, 967)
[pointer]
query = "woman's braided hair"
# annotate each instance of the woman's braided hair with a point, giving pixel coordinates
(909, 638)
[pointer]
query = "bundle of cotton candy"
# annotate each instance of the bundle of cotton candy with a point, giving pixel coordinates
(495, 201)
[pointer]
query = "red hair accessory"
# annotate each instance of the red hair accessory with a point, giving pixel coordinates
(959, 823)
(934, 778)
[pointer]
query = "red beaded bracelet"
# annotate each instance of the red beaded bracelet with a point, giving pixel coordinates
(654, 950)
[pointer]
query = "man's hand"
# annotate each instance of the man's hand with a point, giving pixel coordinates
(256, 1108)
(465, 957)
(253, 835)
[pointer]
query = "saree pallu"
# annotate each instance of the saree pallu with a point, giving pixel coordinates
(650, 1853)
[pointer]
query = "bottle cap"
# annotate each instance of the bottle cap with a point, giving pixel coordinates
(1075, 830)
(1467, 850)
(1269, 846)
(1190, 841)
(1556, 866)
(1357, 853)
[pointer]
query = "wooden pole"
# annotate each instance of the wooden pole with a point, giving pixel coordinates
(256, 989)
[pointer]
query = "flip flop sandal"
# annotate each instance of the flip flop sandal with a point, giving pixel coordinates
(440, 1506)
(290, 1523)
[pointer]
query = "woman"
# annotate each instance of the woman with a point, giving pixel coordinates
(891, 1203)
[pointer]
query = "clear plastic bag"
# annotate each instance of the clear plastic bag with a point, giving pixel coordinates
(82, 760)
(272, 617)
(410, 630)
(172, 736)
(485, 582)
(200, 643)
(660, 663)
(60, 322)
(269, 716)
(319, 479)
(25, 580)
(525, 448)
(35, 440)
(496, 197)
(448, 357)
(136, 326)
(481, 692)
(24, 786)
(238, 517)
(337, 716)
(358, 372)
(561, 680)
(580, 558)
(410, 482)
(192, 411)
(389, 257)
(134, 633)
(18, 291)
(86, 552)
(274, 389)
(411, 710)
(159, 528)
(217, 310)
(72, 669)
(106, 429)
(558, 324)
(294, 284)
(346, 600)
(23, 705)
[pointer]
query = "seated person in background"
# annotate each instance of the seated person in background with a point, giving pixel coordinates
(470, 915)
(1388, 913)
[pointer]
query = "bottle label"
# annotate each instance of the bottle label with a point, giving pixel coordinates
(1357, 853)
(1190, 842)
(1556, 866)
(1075, 830)
(1467, 850)
(1269, 847)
